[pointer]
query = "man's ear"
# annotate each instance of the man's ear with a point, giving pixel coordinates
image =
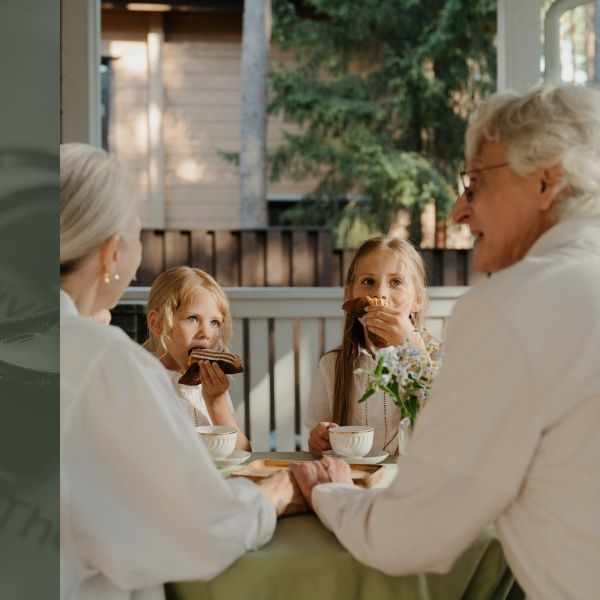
(154, 324)
(550, 180)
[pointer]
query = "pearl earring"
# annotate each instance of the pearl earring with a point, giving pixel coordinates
(116, 278)
(106, 277)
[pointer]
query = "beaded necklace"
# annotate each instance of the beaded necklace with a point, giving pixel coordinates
(385, 423)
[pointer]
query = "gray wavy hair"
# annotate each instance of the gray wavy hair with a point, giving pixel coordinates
(548, 126)
(97, 200)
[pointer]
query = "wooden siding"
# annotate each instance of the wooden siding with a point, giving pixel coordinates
(201, 77)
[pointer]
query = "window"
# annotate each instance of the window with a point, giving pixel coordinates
(572, 44)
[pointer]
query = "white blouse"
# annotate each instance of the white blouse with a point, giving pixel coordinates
(379, 411)
(511, 433)
(141, 501)
(192, 401)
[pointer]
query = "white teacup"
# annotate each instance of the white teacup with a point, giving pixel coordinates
(351, 441)
(219, 440)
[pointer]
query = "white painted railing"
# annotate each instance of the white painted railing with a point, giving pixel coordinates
(281, 333)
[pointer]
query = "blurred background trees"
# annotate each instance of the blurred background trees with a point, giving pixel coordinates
(377, 105)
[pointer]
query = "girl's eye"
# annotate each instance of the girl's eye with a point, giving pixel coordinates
(193, 318)
(367, 281)
(396, 282)
(215, 323)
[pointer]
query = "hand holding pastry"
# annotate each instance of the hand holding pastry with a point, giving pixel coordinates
(356, 308)
(391, 324)
(228, 363)
(214, 391)
(214, 382)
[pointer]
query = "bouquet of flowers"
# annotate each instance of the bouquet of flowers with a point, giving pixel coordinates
(406, 374)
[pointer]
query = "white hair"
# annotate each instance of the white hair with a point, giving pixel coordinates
(96, 201)
(551, 125)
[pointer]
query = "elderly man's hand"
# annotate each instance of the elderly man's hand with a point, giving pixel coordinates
(283, 493)
(327, 470)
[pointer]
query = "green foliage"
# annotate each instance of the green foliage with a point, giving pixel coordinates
(381, 91)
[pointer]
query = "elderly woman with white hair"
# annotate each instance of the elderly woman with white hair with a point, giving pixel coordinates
(141, 502)
(512, 432)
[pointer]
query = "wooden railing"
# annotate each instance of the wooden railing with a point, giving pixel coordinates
(276, 257)
(281, 333)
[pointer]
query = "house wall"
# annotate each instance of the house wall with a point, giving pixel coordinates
(201, 58)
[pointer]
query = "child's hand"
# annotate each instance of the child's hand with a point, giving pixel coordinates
(214, 382)
(318, 440)
(214, 391)
(391, 324)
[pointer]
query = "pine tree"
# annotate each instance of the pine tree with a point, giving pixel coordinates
(381, 92)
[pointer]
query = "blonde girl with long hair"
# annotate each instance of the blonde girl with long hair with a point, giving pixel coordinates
(391, 269)
(188, 309)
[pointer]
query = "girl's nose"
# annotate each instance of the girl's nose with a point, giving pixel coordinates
(381, 290)
(202, 332)
(461, 213)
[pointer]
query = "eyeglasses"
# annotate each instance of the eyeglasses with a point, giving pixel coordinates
(465, 178)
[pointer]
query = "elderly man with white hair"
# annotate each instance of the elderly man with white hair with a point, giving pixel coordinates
(512, 432)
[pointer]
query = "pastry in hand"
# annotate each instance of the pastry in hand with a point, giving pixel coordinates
(356, 308)
(228, 362)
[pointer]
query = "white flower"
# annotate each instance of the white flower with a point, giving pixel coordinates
(410, 370)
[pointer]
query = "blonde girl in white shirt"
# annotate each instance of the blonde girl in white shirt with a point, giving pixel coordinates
(391, 269)
(188, 309)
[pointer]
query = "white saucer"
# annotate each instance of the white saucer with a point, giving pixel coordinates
(237, 457)
(374, 457)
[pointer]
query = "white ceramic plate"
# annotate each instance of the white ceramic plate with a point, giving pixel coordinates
(237, 457)
(374, 457)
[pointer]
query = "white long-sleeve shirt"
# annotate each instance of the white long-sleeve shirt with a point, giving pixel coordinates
(379, 412)
(192, 401)
(511, 433)
(141, 502)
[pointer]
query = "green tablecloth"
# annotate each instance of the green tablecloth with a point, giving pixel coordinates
(305, 561)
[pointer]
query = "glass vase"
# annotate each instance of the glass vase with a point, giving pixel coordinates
(404, 435)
